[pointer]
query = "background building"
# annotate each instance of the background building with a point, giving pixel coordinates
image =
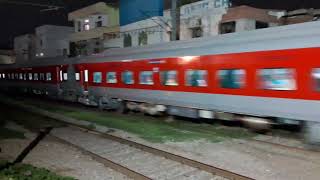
(201, 19)
(142, 22)
(52, 41)
(24, 47)
(7, 57)
(96, 27)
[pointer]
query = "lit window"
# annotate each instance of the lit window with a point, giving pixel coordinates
(16, 76)
(30, 76)
(4, 75)
(21, 76)
(35, 76)
(77, 76)
(197, 78)
(25, 76)
(231, 78)
(146, 77)
(127, 77)
(65, 76)
(169, 78)
(97, 77)
(277, 79)
(48, 75)
(86, 27)
(111, 77)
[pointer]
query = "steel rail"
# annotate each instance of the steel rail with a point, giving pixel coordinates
(108, 163)
(183, 160)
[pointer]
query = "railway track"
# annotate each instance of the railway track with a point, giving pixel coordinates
(129, 160)
(133, 159)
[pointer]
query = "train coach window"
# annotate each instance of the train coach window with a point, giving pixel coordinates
(169, 78)
(77, 76)
(97, 77)
(42, 77)
(30, 76)
(65, 76)
(48, 77)
(231, 78)
(316, 78)
(20, 76)
(35, 76)
(196, 78)
(146, 77)
(127, 77)
(111, 77)
(277, 79)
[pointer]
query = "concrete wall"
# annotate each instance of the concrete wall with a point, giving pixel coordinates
(206, 15)
(155, 28)
(24, 47)
(52, 41)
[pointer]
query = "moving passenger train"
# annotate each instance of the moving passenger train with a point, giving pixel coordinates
(259, 77)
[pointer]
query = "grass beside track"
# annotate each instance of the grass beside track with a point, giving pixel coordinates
(149, 128)
(28, 172)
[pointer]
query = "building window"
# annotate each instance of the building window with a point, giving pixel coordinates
(196, 32)
(79, 26)
(86, 25)
(231, 78)
(261, 25)
(169, 78)
(96, 50)
(197, 78)
(99, 24)
(146, 77)
(49, 78)
(35, 77)
(111, 77)
(277, 79)
(97, 77)
(143, 38)
(228, 27)
(127, 41)
(127, 77)
(25, 76)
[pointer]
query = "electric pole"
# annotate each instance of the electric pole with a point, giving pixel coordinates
(174, 20)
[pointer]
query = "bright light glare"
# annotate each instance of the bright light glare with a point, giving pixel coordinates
(188, 58)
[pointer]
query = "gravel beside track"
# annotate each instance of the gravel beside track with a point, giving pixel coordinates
(150, 165)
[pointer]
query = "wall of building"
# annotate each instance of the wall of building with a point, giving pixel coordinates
(24, 47)
(201, 17)
(91, 23)
(144, 32)
(7, 57)
(52, 41)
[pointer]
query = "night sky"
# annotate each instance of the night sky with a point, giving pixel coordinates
(22, 19)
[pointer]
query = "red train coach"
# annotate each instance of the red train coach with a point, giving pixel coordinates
(260, 77)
